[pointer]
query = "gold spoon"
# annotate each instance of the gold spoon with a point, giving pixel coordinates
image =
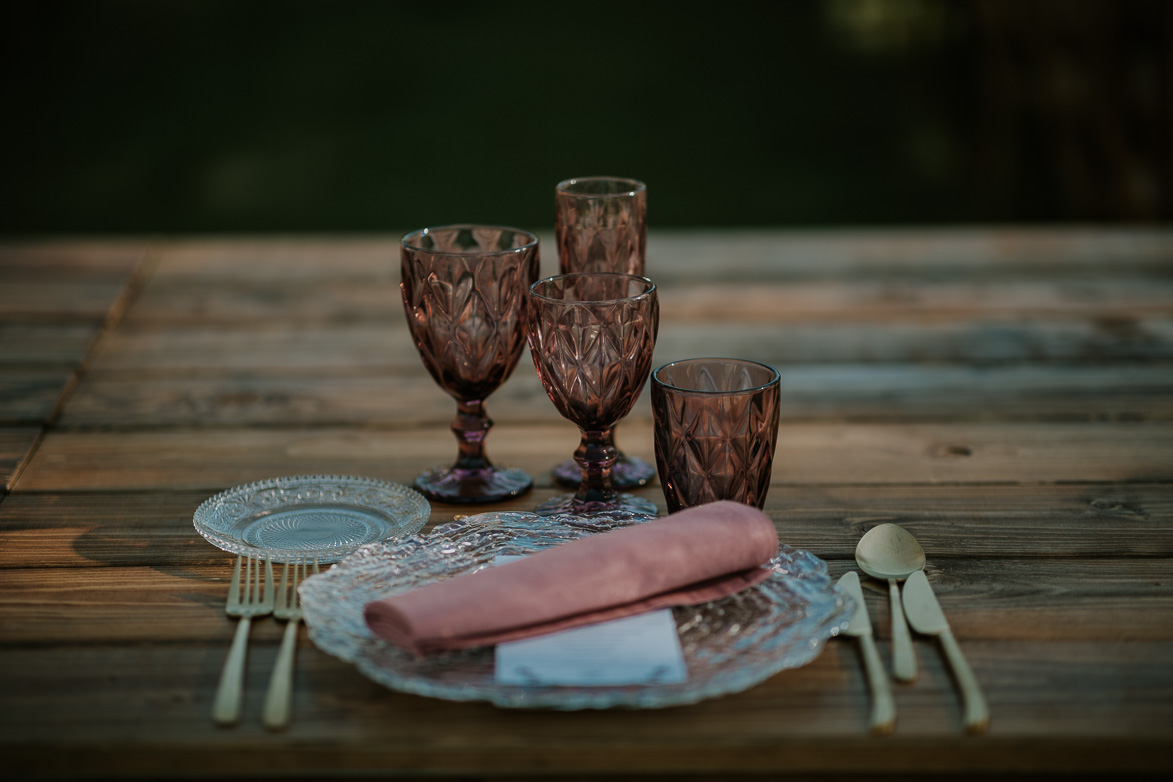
(890, 552)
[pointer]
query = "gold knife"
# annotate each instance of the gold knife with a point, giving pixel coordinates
(883, 717)
(926, 617)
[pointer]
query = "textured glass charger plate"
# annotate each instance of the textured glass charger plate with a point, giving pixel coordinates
(303, 516)
(729, 645)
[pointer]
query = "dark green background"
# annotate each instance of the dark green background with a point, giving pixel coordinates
(368, 116)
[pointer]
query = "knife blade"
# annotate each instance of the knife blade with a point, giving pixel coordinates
(926, 617)
(883, 717)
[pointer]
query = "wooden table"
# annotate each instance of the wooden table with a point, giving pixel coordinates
(1005, 394)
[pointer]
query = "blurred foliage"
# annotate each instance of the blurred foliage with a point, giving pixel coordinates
(258, 115)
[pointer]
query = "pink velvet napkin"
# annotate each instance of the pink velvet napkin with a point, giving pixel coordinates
(693, 556)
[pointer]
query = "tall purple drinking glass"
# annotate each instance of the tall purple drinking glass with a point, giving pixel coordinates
(465, 293)
(600, 224)
(591, 337)
(716, 427)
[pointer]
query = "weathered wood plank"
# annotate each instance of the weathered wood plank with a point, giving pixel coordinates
(107, 528)
(278, 259)
(92, 259)
(845, 392)
(1058, 707)
(58, 300)
(757, 255)
(178, 300)
(196, 459)
(708, 254)
(1111, 297)
(257, 349)
(332, 347)
(39, 345)
(207, 301)
(1008, 599)
(31, 395)
(808, 453)
(16, 445)
(65, 282)
(972, 342)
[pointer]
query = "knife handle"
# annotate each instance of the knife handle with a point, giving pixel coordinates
(903, 656)
(977, 713)
(883, 717)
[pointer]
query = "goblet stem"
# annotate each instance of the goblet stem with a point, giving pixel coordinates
(596, 455)
(471, 425)
(629, 472)
(473, 478)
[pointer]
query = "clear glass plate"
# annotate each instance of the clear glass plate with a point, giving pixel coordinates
(729, 644)
(302, 516)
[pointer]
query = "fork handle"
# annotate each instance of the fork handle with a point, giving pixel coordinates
(226, 705)
(276, 712)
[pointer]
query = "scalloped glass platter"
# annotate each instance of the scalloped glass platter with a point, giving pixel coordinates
(729, 645)
(304, 516)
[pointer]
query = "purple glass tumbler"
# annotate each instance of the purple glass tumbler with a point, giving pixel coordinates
(465, 293)
(591, 337)
(600, 224)
(716, 427)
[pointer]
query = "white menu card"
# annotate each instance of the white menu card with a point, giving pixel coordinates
(640, 649)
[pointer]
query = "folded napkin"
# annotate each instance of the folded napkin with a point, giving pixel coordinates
(693, 556)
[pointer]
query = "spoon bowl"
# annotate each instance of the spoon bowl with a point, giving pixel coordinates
(891, 553)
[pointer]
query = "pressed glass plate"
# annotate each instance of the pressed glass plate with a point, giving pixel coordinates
(729, 645)
(297, 517)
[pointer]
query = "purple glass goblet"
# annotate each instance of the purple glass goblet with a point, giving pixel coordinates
(716, 427)
(465, 295)
(600, 224)
(591, 337)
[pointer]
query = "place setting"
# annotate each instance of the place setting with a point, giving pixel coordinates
(591, 600)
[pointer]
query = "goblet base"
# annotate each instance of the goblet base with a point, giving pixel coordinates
(625, 506)
(629, 472)
(461, 486)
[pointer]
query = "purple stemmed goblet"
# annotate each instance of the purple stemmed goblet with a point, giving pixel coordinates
(465, 295)
(600, 224)
(591, 337)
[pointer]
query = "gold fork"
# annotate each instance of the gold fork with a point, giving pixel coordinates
(288, 607)
(245, 602)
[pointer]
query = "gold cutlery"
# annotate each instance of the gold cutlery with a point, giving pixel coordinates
(287, 606)
(246, 601)
(926, 617)
(883, 716)
(891, 553)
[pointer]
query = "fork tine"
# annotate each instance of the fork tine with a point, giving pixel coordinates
(234, 587)
(246, 592)
(256, 581)
(269, 580)
(304, 575)
(296, 588)
(279, 601)
(297, 584)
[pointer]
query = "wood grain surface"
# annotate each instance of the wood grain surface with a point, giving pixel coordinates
(1004, 394)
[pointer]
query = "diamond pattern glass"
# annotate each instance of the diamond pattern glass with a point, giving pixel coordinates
(591, 338)
(716, 427)
(465, 295)
(600, 224)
